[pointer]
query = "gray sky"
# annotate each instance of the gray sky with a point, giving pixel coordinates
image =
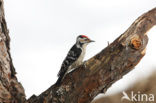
(42, 32)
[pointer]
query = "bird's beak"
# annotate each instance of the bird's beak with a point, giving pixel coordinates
(91, 41)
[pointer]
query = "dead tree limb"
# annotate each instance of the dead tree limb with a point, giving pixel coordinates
(105, 68)
(86, 82)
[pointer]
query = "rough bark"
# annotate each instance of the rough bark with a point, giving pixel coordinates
(105, 68)
(86, 82)
(11, 91)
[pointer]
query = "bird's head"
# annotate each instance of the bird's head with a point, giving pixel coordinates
(82, 39)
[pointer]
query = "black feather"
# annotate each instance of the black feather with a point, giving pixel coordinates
(71, 57)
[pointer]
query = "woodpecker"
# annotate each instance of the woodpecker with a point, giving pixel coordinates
(74, 57)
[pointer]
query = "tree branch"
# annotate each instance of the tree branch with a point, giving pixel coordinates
(105, 68)
(86, 82)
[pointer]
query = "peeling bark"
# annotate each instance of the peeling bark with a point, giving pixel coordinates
(86, 82)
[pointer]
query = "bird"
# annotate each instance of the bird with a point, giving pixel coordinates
(74, 57)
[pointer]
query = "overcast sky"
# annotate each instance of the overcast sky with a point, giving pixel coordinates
(42, 32)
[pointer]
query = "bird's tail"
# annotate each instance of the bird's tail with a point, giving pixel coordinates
(58, 82)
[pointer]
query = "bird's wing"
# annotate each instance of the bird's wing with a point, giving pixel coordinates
(71, 57)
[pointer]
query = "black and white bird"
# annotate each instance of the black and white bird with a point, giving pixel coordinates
(74, 57)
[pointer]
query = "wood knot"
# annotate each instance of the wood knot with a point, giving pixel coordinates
(136, 43)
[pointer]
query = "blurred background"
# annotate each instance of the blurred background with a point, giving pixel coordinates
(42, 32)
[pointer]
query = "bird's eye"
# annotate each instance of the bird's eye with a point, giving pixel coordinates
(80, 36)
